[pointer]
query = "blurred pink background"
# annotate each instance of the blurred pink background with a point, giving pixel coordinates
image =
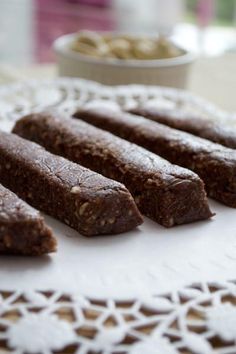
(56, 17)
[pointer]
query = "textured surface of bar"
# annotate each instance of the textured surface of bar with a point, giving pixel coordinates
(85, 200)
(166, 193)
(191, 123)
(22, 228)
(214, 163)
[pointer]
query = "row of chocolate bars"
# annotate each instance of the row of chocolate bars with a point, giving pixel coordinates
(101, 169)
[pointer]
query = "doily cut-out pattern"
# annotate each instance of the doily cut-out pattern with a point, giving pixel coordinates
(69, 94)
(198, 319)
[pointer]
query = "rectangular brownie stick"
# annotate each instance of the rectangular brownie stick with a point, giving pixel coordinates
(83, 199)
(22, 228)
(191, 123)
(214, 163)
(166, 193)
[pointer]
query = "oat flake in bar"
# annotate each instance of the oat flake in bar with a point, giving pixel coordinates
(191, 123)
(22, 228)
(214, 163)
(166, 193)
(83, 199)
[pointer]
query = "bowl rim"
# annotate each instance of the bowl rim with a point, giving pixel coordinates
(61, 48)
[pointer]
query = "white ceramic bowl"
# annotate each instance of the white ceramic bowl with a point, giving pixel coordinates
(165, 72)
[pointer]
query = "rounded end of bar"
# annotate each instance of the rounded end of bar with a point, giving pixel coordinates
(48, 242)
(191, 203)
(114, 212)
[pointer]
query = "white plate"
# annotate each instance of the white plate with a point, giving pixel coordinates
(147, 260)
(135, 265)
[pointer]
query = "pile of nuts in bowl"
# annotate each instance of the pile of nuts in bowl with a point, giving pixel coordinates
(126, 47)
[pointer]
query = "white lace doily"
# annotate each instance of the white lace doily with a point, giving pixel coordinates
(198, 319)
(69, 94)
(122, 294)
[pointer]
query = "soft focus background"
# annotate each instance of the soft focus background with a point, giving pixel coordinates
(29, 27)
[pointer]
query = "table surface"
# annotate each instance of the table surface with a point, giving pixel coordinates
(212, 78)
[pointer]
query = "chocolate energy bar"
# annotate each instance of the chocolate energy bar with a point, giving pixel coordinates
(191, 123)
(22, 228)
(166, 193)
(214, 163)
(85, 200)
